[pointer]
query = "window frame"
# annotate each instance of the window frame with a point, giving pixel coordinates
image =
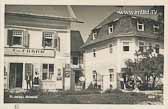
(156, 27)
(140, 24)
(141, 45)
(126, 46)
(52, 38)
(49, 75)
(94, 35)
(111, 27)
(21, 36)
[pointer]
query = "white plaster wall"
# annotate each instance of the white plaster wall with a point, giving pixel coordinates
(116, 60)
(62, 57)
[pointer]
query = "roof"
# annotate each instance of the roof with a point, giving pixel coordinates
(43, 11)
(76, 40)
(112, 18)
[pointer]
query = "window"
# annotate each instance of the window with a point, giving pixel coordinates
(157, 48)
(94, 75)
(94, 52)
(48, 39)
(141, 46)
(111, 75)
(110, 48)
(94, 35)
(18, 38)
(75, 60)
(125, 46)
(140, 26)
(51, 40)
(48, 71)
(110, 29)
(155, 28)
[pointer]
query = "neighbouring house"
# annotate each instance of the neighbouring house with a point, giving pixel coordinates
(38, 45)
(114, 41)
(76, 60)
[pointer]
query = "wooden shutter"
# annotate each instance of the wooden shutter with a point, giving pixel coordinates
(9, 38)
(58, 43)
(43, 40)
(26, 39)
(55, 40)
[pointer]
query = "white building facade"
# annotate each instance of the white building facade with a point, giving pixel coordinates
(112, 43)
(38, 45)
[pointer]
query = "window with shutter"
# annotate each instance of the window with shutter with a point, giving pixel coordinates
(18, 38)
(48, 39)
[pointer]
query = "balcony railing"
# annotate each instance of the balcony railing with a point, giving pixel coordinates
(33, 52)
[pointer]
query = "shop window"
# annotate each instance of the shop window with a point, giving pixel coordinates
(126, 46)
(48, 71)
(140, 26)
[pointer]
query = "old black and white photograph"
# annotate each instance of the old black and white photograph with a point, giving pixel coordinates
(84, 54)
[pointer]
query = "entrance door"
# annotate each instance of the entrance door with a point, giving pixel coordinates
(16, 75)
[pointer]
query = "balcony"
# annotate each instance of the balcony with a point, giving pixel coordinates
(78, 66)
(32, 52)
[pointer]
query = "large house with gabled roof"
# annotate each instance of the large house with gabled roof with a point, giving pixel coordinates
(114, 41)
(38, 45)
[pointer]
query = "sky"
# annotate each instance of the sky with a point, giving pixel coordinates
(90, 15)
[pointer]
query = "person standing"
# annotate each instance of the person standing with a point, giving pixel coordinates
(28, 80)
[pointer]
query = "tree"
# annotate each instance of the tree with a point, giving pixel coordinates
(147, 64)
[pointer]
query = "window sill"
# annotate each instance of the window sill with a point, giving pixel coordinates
(17, 46)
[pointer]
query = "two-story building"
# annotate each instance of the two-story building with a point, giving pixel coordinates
(114, 41)
(38, 45)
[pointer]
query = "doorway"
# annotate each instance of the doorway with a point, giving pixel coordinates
(16, 75)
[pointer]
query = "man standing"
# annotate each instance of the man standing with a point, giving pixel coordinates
(28, 80)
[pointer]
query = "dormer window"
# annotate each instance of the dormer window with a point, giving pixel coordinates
(156, 28)
(94, 35)
(140, 26)
(110, 29)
